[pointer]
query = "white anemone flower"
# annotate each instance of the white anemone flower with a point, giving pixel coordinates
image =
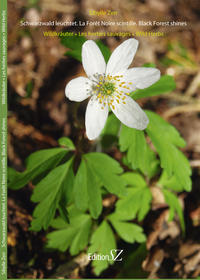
(110, 85)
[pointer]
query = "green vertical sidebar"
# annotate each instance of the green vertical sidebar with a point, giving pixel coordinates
(3, 141)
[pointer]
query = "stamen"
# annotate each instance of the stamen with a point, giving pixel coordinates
(107, 89)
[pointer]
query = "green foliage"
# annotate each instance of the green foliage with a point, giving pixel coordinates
(167, 140)
(48, 194)
(104, 49)
(102, 242)
(87, 192)
(137, 202)
(75, 44)
(32, 4)
(178, 55)
(107, 171)
(139, 155)
(165, 85)
(174, 206)
(129, 232)
(170, 182)
(136, 256)
(96, 170)
(110, 132)
(37, 163)
(74, 235)
(67, 143)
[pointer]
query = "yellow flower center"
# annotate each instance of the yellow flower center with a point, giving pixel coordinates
(110, 88)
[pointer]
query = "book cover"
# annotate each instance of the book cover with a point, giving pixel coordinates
(100, 139)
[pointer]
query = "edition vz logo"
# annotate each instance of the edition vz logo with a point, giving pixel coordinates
(115, 255)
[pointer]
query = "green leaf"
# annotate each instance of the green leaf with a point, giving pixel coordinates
(135, 257)
(174, 207)
(63, 212)
(67, 143)
(37, 163)
(87, 193)
(104, 49)
(166, 139)
(94, 193)
(13, 175)
(110, 132)
(137, 202)
(168, 62)
(75, 44)
(164, 85)
(170, 182)
(139, 155)
(178, 55)
(80, 188)
(102, 242)
(74, 235)
(149, 64)
(129, 232)
(48, 194)
(67, 188)
(107, 170)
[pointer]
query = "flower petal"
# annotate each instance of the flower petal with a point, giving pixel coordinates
(95, 118)
(78, 89)
(92, 59)
(122, 56)
(130, 113)
(141, 77)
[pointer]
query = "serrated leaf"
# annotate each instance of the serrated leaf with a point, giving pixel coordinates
(73, 236)
(170, 182)
(107, 170)
(129, 232)
(164, 85)
(48, 194)
(138, 199)
(139, 155)
(87, 193)
(166, 139)
(37, 163)
(102, 242)
(174, 207)
(67, 143)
